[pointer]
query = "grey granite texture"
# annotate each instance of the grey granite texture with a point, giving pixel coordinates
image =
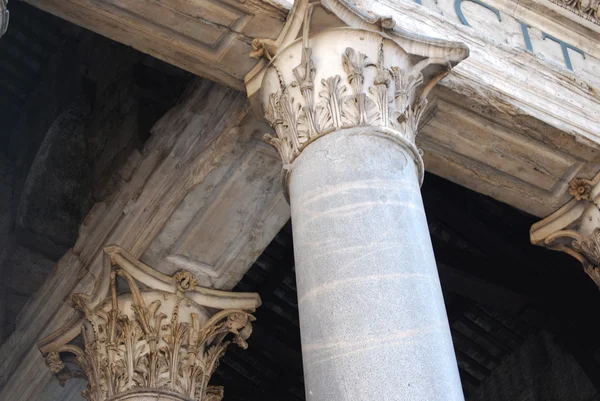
(372, 317)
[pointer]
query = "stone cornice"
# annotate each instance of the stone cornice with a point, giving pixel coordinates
(588, 9)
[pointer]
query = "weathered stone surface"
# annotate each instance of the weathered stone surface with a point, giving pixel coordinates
(177, 330)
(514, 94)
(517, 97)
(512, 157)
(202, 142)
(228, 218)
(211, 39)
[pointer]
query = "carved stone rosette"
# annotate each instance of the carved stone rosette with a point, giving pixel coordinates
(575, 227)
(351, 70)
(161, 339)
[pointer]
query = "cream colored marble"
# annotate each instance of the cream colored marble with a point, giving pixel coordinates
(160, 339)
(503, 97)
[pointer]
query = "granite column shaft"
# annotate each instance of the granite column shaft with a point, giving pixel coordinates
(372, 317)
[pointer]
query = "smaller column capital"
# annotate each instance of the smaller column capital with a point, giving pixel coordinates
(575, 227)
(160, 339)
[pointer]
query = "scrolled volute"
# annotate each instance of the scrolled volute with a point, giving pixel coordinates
(352, 70)
(157, 338)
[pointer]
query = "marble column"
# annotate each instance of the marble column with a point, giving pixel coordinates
(344, 103)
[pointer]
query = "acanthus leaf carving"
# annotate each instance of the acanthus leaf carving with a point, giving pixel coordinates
(358, 74)
(305, 77)
(354, 65)
(330, 109)
(589, 247)
(155, 338)
(297, 124)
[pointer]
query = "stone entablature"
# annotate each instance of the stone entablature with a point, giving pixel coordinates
(514, 135)
(497, 19)
(160, 339)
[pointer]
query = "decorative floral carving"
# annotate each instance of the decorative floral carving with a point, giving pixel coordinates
(297, 125)
(594, 273)
(590, 247)
(580, 188)
(588, 9)
(263, 48)
(185, 281)
(54, 362)
(148, 339)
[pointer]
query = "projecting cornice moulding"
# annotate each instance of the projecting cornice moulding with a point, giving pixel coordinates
(588, 9)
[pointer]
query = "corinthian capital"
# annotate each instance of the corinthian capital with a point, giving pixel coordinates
(345, 69)
(575, 227)
(161, 339)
